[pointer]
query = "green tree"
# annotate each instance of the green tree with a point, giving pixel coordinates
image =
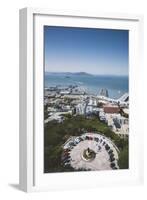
(124, 158)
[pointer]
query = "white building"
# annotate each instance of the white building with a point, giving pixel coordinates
(64, 92)
(80, 109)
(89, 109)
(119, 124)
(92, 102)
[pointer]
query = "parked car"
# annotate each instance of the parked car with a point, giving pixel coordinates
(112, 165)
(72, 144)
(112, 159)
(83, 137)
(77, 140)
(96, 139)
(111, 154)
(104, 143)
(66, 164)
(115, 168)
(101, 140)
(80, 139)
(66, 160)
(90, 138)
(66, 150)
(66, 153)
(99, 148)
(111, 151)
(87, 137)
(107, 147)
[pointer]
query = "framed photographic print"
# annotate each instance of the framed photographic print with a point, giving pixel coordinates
(79, 99)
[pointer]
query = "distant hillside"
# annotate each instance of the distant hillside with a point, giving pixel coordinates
(68, 73)
(82, 73)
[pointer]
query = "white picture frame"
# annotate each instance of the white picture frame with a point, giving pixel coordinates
(31, 99)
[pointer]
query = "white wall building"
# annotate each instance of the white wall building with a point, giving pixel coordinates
(80, 109)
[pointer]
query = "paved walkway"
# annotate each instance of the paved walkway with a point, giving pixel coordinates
(101, 161)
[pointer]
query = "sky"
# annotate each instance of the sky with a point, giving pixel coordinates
(91, 50)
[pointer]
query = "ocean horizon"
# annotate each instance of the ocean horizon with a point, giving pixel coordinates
(116, 85)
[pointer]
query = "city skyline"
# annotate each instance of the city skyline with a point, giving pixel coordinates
(90, 50)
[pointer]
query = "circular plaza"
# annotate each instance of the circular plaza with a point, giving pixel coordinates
(90, 151)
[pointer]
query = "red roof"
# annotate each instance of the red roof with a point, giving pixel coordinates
(111, 109)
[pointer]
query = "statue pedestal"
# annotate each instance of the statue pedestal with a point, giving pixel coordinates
(88, 155)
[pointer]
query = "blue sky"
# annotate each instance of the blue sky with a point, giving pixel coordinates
(91, 50)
